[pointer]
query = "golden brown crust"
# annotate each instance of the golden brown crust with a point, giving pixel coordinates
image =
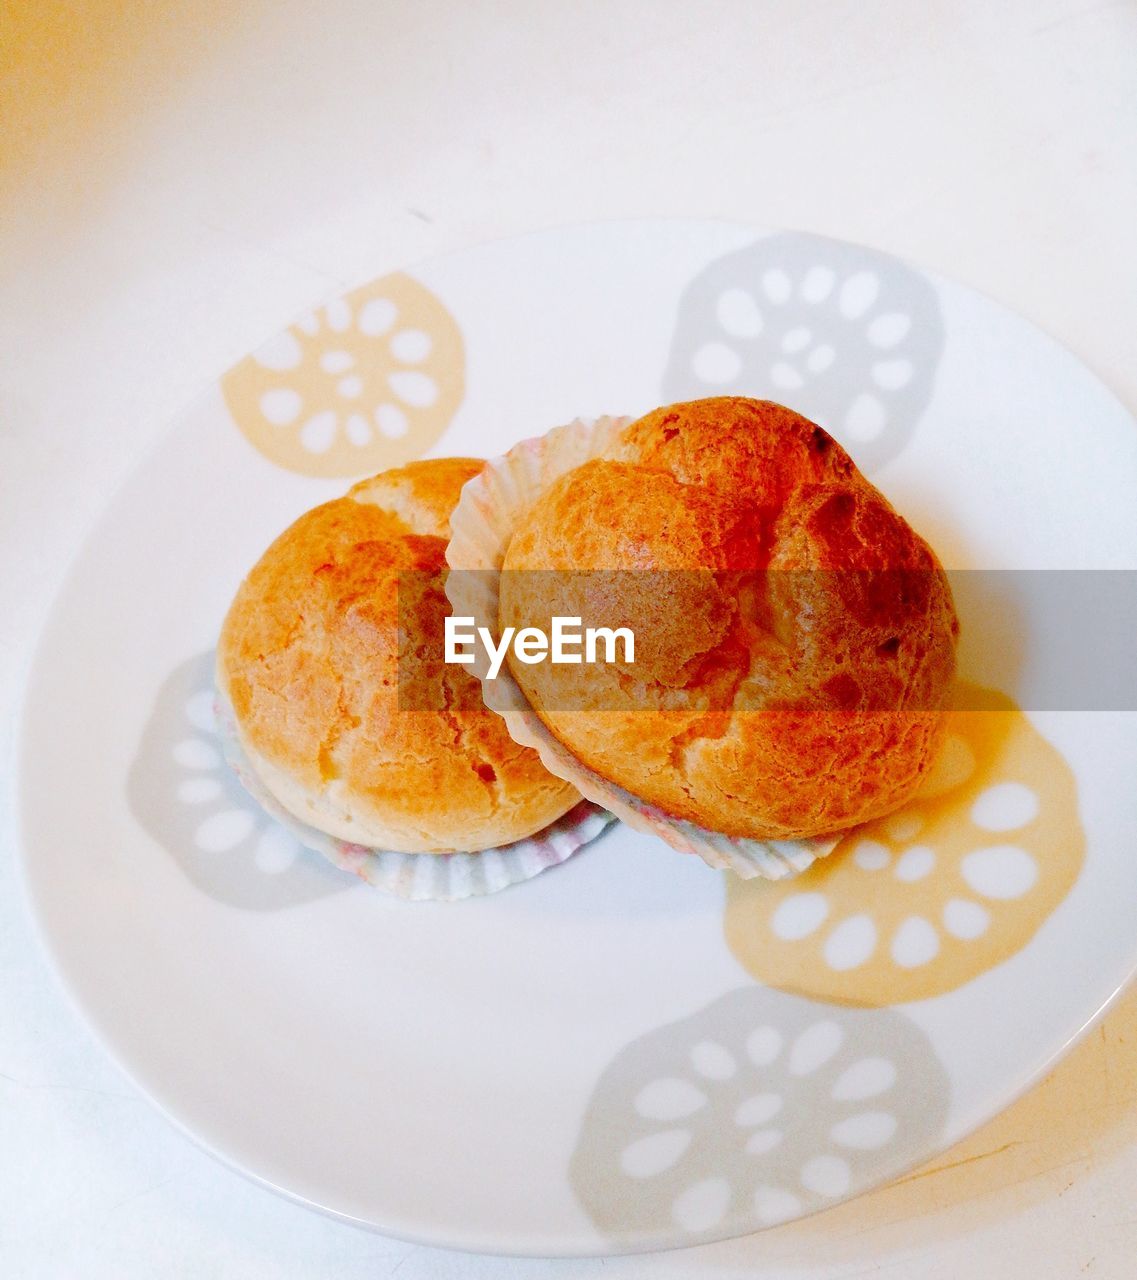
(422, 494)
(775, 694)
(309, 657)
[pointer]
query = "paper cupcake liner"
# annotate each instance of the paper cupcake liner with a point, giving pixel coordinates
(487, 512)
(423, 877)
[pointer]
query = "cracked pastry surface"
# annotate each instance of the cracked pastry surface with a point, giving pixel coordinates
(784, 686)
(310, 656)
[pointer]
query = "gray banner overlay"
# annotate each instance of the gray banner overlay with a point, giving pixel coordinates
(706, 641)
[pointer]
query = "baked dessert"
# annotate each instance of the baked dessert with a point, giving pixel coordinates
(311, 656)
(795, 637)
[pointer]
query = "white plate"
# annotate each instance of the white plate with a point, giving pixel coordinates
(581, 1063)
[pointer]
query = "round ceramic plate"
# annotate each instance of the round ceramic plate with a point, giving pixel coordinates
(630, 1051)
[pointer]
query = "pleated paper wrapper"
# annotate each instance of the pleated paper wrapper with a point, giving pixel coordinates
(423, 877)
(481, 526)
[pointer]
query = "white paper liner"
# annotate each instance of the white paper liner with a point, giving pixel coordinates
(423, 877)
(481, 526)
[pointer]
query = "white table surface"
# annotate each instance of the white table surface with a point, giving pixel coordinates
(177, 183)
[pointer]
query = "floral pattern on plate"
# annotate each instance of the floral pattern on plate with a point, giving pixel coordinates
(188, 799)
(367, 382)
(928, 898)
(846, 335)
(757, 1109)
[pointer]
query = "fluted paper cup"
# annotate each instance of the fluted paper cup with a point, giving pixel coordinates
(423, 877)
(481, 526)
